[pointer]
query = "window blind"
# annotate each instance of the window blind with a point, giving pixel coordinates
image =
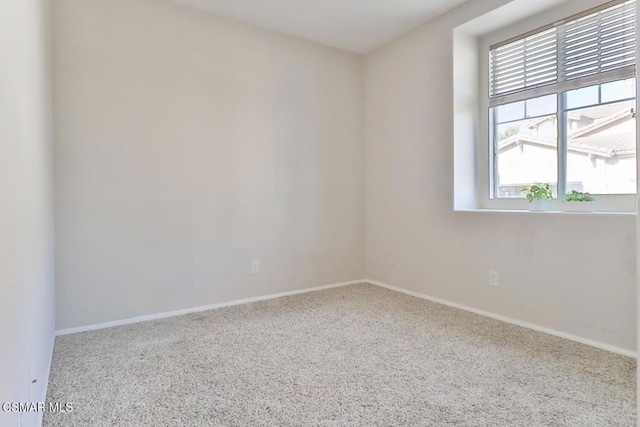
(526, 63)
(593, 47)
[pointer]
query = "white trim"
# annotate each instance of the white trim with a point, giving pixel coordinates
(545, 330)
(175, 313)
(47, 373)
(523, 324)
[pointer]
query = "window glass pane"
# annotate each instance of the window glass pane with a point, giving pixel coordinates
(526, 154)
(601, 149)
(542, 106)
(616, 91)
(509, 112)
(581, 97)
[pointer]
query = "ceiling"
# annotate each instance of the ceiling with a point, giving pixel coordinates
(354, 25)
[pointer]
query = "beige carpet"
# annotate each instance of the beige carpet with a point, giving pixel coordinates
(354, 356)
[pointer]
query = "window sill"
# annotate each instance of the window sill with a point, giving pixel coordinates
(527, 211)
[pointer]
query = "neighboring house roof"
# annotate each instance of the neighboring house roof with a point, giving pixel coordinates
(572, 115)
(610, 135)
(614, 141)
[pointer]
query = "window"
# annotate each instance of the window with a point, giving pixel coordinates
(562, 105)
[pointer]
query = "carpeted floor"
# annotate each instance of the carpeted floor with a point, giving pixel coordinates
(354, 356)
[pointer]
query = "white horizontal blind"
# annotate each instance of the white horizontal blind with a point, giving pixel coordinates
(600, 43)
(523, 64)
(594, 47)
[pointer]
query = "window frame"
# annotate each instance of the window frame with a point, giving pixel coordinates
(485, 148)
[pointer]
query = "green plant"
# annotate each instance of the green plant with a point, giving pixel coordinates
(537, 192)
(578, 196)
(511, 130)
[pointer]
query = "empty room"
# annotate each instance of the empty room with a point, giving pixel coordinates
(318, 213)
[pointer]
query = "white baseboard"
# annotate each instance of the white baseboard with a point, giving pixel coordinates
(167, 314)
(545, 330)
(549, 331)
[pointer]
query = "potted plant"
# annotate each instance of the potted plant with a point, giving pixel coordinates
(538, 196)
(577, 201)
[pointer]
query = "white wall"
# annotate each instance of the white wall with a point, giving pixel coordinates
(637, 283)
(26, 209)
(188, 146)
(572, 273)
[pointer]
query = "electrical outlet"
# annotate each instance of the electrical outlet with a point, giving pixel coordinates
(255, 267)
(493, 277)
